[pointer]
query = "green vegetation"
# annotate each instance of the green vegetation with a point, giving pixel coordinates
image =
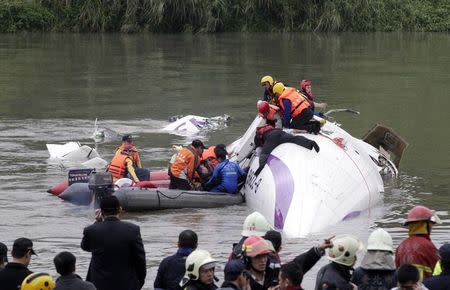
(224, 15)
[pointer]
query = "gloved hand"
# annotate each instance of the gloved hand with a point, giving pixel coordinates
(313, 145)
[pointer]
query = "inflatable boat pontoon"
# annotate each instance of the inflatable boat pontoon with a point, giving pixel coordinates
(147, 199)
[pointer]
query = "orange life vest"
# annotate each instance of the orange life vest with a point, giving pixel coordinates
(135, 155)
(210, 155)
(186, 163)
(298, 102)
(118, 166)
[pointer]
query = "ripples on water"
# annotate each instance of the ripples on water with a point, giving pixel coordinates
(54, 226)
(53, 86)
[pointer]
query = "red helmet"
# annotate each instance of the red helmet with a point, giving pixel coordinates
(304, 83)
(254, 246)
(421, 213)
(263, 108)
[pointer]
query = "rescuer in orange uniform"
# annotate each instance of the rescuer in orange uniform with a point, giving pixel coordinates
(184, 170)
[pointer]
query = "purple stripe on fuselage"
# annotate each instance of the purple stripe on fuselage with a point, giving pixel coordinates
(351, 215)
(284, 189)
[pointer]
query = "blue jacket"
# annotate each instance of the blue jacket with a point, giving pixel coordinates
(287, 113)
(225, 177)
(440, 282)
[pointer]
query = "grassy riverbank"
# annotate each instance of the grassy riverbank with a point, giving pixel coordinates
(224, 15)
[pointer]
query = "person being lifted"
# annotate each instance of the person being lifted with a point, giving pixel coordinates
(184, 170)
(269, 112)
(122, 164)
(226, 174)
(306, 90)
(295, 109)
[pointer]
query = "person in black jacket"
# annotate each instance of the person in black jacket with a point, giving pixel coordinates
(441, 281)
(12, 275)
(255, 224)
(171, 270)
(256, 252)
(268, 138)
(3, 255)
(274, 259)
(65, 266)
(291, 273)
(118, 255)
(337, 274)
(236, 277)
(199, 275)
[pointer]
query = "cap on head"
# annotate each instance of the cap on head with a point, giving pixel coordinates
(198, 144)
(235, 266)
(267, 79)
(255, 224)
(21, 246)
(127, 138)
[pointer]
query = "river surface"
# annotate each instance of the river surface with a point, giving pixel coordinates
(53, 86)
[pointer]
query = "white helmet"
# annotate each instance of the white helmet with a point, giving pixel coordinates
(380, 240)
(123, 182)
(344, 250)
(255, 224)
(196, 260)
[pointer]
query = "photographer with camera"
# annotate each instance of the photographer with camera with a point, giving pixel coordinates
(118, 255)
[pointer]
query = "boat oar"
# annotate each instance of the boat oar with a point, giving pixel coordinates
(342, 110)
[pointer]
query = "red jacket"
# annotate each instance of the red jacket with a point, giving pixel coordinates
(419, 251)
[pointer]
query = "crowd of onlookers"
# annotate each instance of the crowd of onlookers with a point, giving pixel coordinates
(118, 260)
